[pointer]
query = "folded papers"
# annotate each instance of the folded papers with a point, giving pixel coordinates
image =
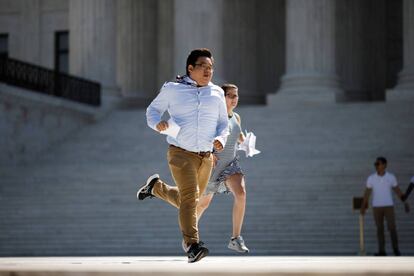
(172, 129)
(249, 145)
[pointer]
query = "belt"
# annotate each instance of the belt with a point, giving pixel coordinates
(199, 153)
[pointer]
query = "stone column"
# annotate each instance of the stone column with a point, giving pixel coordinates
(92, 42)
(406, 77)
(199, 24)
(361, 52)
(271, 44)
(254, 47)
(30, 31)
(165, 39)
(137, 50)
(310, 47)
(241, 40)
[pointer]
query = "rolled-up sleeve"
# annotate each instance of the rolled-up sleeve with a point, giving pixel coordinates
(394, 182)
(157, 108)
(223, 123)
(369, 183)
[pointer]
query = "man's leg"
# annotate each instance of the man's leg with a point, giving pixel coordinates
(184, 167)
(204, 173)
(390, 217)
(167, 193)
(379, 221)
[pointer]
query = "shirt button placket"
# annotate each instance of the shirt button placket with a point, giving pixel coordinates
(198, 116)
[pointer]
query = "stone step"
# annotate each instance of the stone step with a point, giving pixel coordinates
(79, 199)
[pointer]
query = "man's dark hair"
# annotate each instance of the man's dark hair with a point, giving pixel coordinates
(195, 54)
(382, 160)
(228, 86)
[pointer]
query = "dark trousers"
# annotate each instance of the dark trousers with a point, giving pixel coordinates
(388, 213)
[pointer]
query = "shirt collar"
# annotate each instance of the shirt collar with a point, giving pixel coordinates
(189, 81)
(381, 175)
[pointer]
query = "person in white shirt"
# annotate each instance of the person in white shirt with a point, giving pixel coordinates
(381, 184)
(198, 107)
(409, 189)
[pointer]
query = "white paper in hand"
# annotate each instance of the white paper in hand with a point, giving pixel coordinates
(172, 129)
(249, 145)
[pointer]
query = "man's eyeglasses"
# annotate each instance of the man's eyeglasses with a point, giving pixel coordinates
(205, 66)
(376, 164)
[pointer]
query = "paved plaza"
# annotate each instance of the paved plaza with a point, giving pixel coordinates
(85, 266)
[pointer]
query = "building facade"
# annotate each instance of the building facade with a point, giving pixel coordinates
(356, 50)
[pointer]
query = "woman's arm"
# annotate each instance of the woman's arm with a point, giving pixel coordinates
(241, 137)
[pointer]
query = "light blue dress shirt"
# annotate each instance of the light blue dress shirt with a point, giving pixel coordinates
(200, 112)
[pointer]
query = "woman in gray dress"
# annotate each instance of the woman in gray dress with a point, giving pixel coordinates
(227, 176)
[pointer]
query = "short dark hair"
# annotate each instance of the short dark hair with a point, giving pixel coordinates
(228, 86)
(382, 160)
(195, 54)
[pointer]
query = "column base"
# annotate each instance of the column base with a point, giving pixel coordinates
(110, 99)
(404, 95)
(404, 90)
(361, 95)
(113, 91)
(405, 82)
(314, 87)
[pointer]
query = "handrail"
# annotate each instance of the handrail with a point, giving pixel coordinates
(50, 82)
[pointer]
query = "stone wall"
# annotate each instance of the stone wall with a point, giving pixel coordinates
(30, 123)
(31, 25)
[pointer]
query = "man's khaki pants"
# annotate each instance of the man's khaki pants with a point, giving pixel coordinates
(388, 213)
(191, 173)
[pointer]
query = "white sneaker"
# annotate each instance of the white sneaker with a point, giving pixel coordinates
(237, 244)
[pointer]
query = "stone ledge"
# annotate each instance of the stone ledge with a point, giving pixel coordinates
(23, 96)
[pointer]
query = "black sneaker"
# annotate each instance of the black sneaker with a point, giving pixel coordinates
(381, 253)
(397, 252)
(186, 248)
(196, 252)
(146, 190)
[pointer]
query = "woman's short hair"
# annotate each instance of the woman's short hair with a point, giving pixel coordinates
(228, 86)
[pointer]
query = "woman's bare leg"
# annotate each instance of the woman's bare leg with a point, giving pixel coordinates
(203, 204)
(236, 185)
